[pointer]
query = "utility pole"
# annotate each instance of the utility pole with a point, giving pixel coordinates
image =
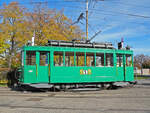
(87, 19)
(87, 5)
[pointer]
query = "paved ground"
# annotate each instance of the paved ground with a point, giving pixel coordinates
(123, 100)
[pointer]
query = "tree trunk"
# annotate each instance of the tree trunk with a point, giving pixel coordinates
(11, 53)
(10, 60)
(141, 71)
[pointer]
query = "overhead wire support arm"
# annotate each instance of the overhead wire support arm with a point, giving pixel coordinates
(94, 35)
(79, 18)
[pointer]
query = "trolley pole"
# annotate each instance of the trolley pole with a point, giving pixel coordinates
(87, 19)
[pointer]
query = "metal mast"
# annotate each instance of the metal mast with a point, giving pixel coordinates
(87, 19)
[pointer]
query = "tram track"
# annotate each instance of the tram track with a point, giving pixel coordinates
(42, 107)
(74, 94)
(63, 93)
(100, 96)
(100, 109)
(126, 99)
(69, 92)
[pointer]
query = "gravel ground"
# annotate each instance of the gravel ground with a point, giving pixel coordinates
(134, 99)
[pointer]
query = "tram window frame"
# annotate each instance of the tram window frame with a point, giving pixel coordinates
(90, 62)
(119, 59)
(111, 61)
(30, 57)
(80, 56)
(102, 60)
(46, 60)
(129, 63)
(69, 59)
(58, 54)
(22, 58)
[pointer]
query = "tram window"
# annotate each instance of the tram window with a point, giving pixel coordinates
(109, 59)
(44, 58)
(99, 59)
(80, 59)
(58, 58)
(128, 60)
(30, 58)
(90, 59)
(119, 60)
(69, 59)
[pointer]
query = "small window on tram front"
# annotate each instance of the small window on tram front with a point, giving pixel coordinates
(30, 58)
(69, 59)
(90, 59)
(58, 58)
(119, 60)
(129, 60)
(99, 59)
(109, 59)
(80, 59)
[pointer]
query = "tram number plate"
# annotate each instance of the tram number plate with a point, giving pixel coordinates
(85, 72)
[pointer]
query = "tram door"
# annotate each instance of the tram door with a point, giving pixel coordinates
(129, 68)
(120, 67)
(43, 67)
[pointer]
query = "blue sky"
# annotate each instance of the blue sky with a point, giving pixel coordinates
(129, 19)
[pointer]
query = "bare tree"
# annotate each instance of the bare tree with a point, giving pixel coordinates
(141, 61)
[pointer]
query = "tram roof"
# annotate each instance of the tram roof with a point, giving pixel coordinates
(81, 44)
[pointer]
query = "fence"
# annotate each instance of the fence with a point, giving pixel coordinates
(4, 75)
(144, 71)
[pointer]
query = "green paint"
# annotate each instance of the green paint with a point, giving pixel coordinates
(64, 74)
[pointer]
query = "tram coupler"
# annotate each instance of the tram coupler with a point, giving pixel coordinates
(133, 82)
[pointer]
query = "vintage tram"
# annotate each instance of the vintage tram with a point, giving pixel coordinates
(63, 62)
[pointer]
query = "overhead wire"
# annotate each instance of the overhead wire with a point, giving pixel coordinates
(114, 13)
(122, 13)
(93, 8)
(128, 4)
(98, 10)
(104, 11)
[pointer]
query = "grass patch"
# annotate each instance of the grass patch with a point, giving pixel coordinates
(140, 78)
(3, 85)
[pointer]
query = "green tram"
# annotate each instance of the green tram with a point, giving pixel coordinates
(62, 63)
